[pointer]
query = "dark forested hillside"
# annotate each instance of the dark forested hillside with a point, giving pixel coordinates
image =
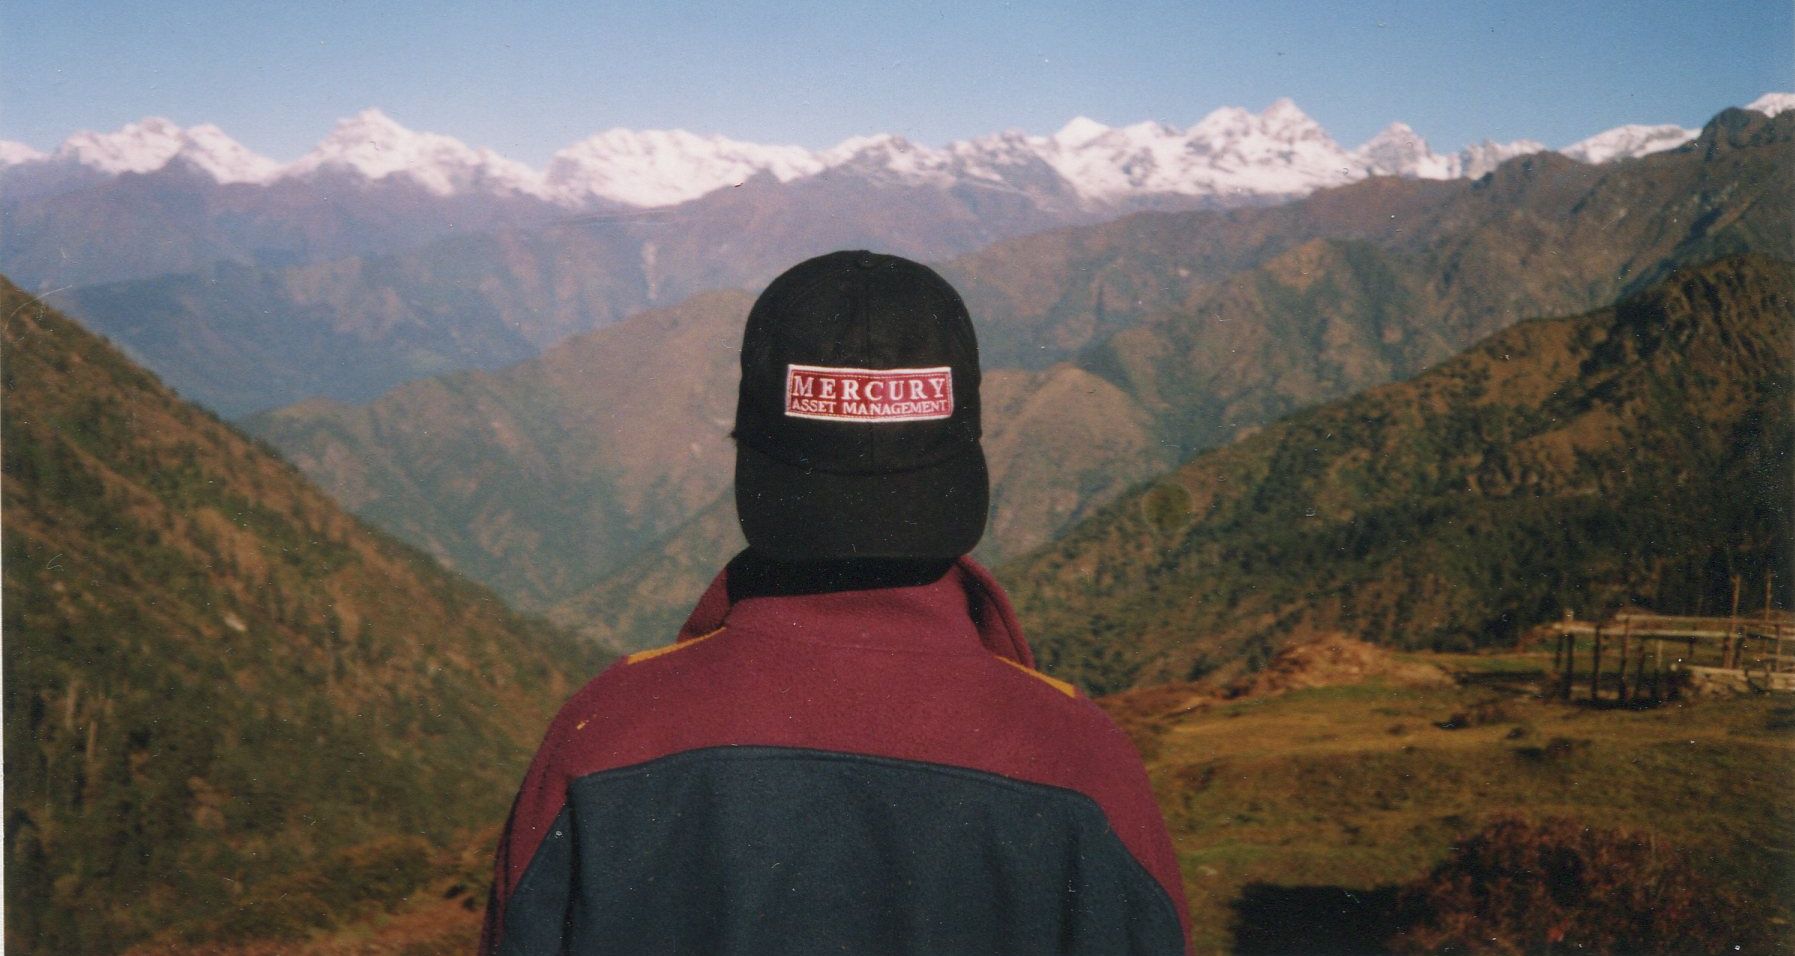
(216, 680)
(1638, 454)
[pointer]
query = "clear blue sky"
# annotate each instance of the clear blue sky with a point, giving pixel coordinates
(527, 78)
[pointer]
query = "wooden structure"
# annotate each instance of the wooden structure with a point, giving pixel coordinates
(1638, 657)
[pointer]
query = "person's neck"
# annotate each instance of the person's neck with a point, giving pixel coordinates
(752, 575)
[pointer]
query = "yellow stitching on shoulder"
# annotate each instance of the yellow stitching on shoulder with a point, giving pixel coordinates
(641, 656)
(1052, 682)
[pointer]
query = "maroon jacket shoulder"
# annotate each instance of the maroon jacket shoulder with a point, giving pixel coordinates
(937, 675)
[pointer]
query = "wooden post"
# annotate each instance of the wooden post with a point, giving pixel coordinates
(1620, 673)
(1732, 628)
(1639, 671)
(1770, 578)
(1570, 666)
(1779, 649)
(1595, 667)
(1658, 669)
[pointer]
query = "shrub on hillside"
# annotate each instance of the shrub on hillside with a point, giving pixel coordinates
(1556, 886)
(337, 890)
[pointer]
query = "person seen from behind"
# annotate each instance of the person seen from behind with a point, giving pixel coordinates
(848, 749)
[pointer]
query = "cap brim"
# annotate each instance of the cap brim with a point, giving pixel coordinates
(795, 514)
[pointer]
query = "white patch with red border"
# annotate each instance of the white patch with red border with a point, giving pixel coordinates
(869, 395)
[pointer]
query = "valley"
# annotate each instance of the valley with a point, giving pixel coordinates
(1157, 336)
(1282, 477)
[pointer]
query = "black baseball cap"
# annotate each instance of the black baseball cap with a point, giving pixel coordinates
(857, 423)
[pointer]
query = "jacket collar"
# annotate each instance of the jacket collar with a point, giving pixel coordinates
(965, 606)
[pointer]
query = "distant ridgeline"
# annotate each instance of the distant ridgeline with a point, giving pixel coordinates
(1639, 454)
(591, 483)
(217, 681)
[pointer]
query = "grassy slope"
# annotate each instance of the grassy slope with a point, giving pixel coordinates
(216, 680)
(1295, 816)
(1278, 805)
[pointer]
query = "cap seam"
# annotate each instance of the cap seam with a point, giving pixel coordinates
(969, 448)
(871, 439)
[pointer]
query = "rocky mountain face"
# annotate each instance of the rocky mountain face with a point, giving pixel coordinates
(1634, 455)
(441, 256)
(216, 680)
(241, 339)
(153, 199)
(1278, 153)
(1540, 236)
(1112, 352)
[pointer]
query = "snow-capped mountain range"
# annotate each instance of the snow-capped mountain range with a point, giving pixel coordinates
(1231, 153)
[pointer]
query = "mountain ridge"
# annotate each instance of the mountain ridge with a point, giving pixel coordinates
(243, 339)
(155, 199)
(652, 168)
(1561, 464)
(1160, 335)
(631, 166)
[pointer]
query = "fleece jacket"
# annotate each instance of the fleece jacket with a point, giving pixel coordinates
(874, 771)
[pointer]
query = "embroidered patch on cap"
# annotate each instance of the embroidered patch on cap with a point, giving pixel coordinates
(869, 395)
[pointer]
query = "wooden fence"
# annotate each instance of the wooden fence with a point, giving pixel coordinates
(1634, 657)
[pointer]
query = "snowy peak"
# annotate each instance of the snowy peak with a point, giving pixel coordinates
(223, 158)
(1010, 160)
(886, 157)
(372, 145)
(1628, 142)
(1771, 104)
(1080, 131)
(1398, 150)
(1282, 120)
(1635, 140)
(13, 154)
(152, 143)
(139, 147)
(665, 167)
(1474, 161)
(1282, 126)
(369, 142)
(1231, 153)
(1279, 152)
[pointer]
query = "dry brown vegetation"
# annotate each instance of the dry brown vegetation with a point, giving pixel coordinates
(216, 680)
(1300, 817)
(1448, 512)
